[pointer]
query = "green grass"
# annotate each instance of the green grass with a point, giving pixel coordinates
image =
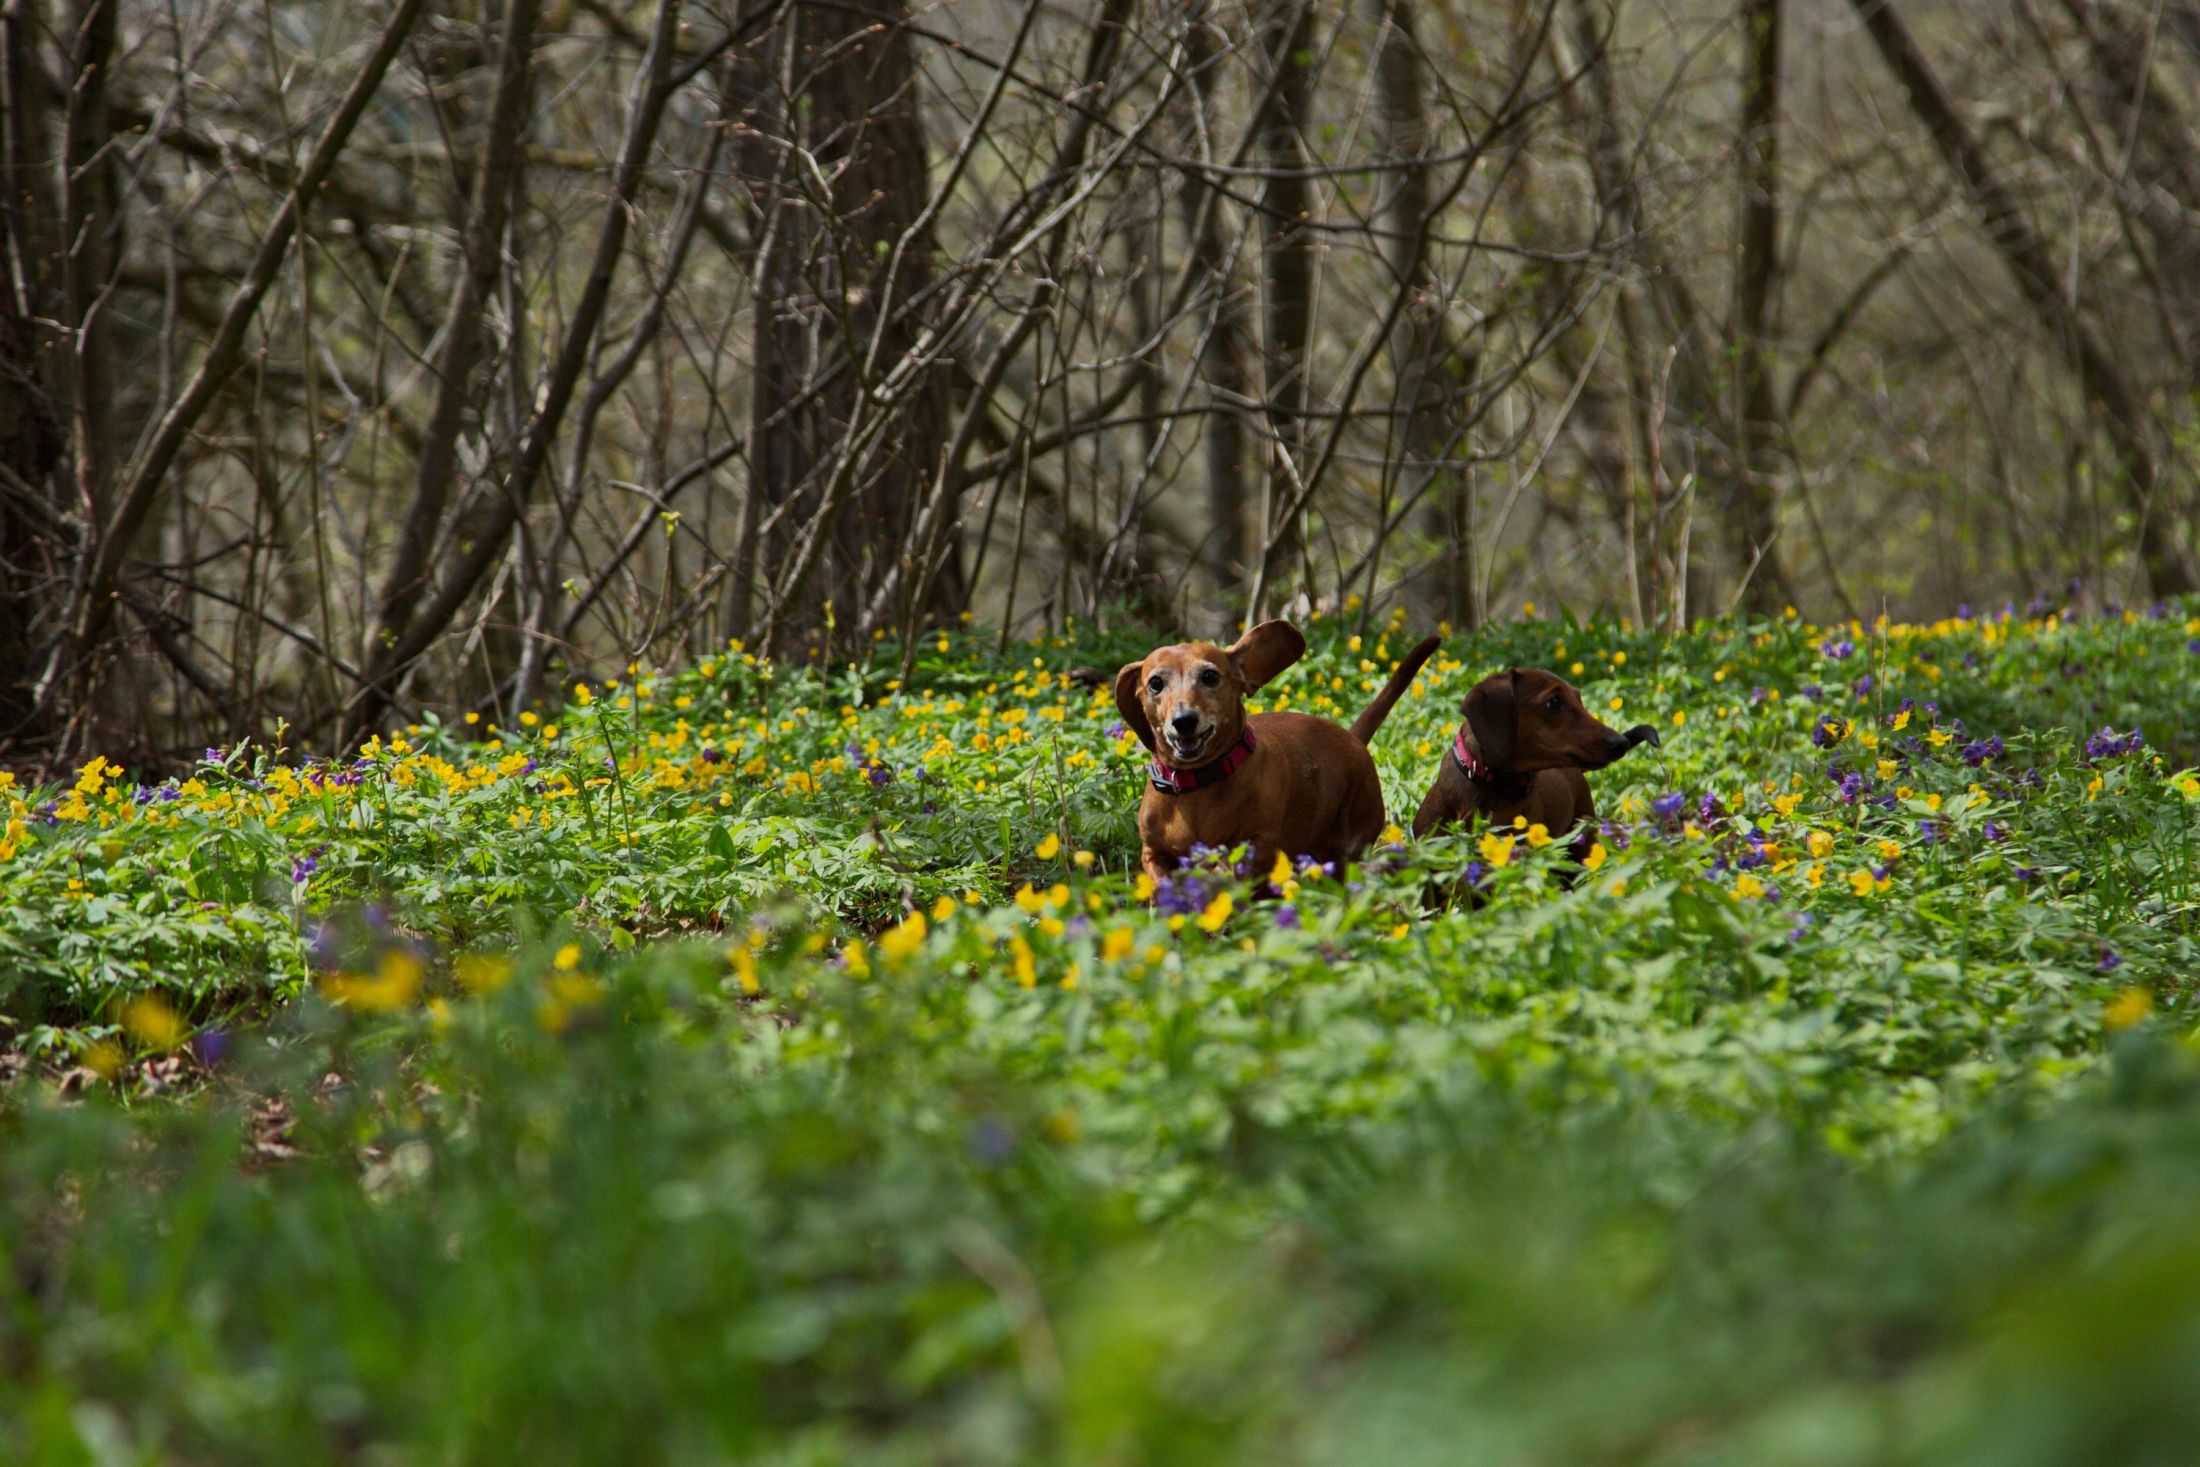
(615, 1109)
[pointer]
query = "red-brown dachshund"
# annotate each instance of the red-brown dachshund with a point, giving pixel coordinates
(1283, 783)
(1522, 752)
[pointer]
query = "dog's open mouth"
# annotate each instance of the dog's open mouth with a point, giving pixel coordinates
(1189, 750)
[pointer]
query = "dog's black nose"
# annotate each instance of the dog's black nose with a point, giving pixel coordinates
(1617, 745)
(1186, 722)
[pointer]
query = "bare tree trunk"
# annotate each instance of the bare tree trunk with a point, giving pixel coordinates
(2151, 496)
(834, 154)
(1287, 263)
(1752, 520)
(1418, 350)
(1226, 341)
(464, 331)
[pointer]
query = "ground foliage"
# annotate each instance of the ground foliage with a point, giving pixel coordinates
(771, 1064)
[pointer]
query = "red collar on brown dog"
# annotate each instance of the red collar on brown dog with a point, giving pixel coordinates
(1183, 781)
(1480, 773)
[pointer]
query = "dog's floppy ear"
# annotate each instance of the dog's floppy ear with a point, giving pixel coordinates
(1128, 703)
(1492, 709)
(1267, 650)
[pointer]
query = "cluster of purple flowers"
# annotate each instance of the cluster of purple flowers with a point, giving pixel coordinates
(1838, 648)
(1978, 751)
(2108, 744)
(877, 771)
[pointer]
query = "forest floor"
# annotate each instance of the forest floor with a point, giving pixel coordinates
(765, 1064)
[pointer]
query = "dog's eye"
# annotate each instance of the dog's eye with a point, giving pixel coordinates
(1555, 703)
(1209, 678)
(1153, 684)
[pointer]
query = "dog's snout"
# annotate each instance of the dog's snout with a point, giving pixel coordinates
(1186, 722)
(1617, 744)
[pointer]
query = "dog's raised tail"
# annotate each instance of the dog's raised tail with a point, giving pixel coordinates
(1363, 728)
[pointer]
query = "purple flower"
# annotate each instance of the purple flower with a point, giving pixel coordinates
(2193, 646)
(989, 1141)
(1852, 788)
(2110, 961)
(1183, 895)
(1668, 807)
(1476, 873)
(880, 776)
(1978, 751)
(1996, 832)
(2025, 873)
(1616, 835)
(1839, 649)
(710, 754)
(1863, 686)
(1830, 731)
(2108, 744)
(1287, 917)
(1803, 923)
(211, 1046)
(1928, 831)
(1812, 691)
(302, 869)
(1114, 730)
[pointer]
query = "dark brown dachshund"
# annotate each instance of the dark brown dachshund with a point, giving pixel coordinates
(1521, 752)
(1284, 783)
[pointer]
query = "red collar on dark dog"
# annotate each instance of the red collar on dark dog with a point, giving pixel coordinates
(1183, 781)
(1480, 773)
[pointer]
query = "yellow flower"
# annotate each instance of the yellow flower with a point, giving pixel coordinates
(1821, 844)
(1886, 768)
(943, 909)
(151, 1022)
(1391, 835)
(856, 960)
(1786, 804)
(569, 994)
(2188, 786)
(1680, 716)
(1863, 883)
(1117, 945)
(1902, 720)
(903, 939)
(1595, 858)
(1027, 969)
(581, 695)
(1049, 848)
(1496, 849)
(1218, 912)
(392, 986)
(1815, 877)
(1747, 886)
(2128, 1008)
(484, 973)
(568, 958)
(1082, 860)
(1143, 888)
(104, 1059)
(1029, 902)
(1890, 850)
(1538, 836)
(744, 967)
(1279, 873)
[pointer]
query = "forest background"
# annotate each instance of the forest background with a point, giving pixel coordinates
(363, 360)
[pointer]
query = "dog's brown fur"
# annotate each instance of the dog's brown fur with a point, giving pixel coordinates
(1309, 787)
(1530, 726)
